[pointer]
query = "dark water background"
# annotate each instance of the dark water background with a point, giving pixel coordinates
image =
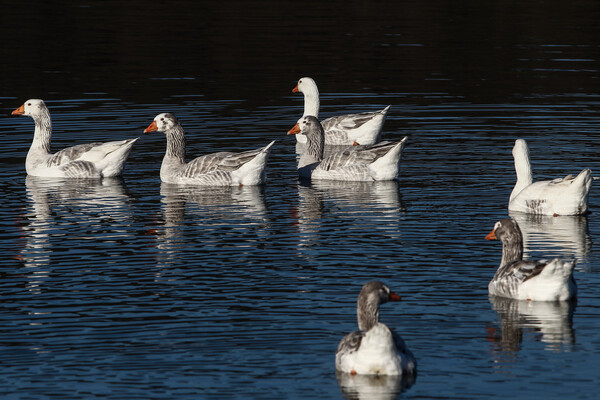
(129, 288)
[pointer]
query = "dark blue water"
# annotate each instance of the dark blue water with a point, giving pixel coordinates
(129, 288)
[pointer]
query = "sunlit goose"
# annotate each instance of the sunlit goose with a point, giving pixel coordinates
(378, 162)
(561, 196)
(217, 169)
(374, 349)
(92, 160)
(528, 280)
(361, 128)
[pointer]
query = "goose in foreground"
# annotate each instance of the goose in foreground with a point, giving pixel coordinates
(350, 129)
(217, 169)
(374, 349)
(92, 160)
(561, 196)
(528, 280)
(378, 162)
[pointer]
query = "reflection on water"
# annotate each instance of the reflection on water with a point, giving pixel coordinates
(564, 236)
(373, 387)
(55, 205)
(550, 322)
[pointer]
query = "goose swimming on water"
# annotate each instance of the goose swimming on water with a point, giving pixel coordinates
(216, 169)
(561, 196)
(374, 349)
(350, 129)
(378, 162)
(91, 160)
(528, 280)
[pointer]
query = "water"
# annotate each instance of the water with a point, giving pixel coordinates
(129, 288)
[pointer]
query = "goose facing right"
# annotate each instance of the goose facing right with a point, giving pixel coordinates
(216, 169)
(349, 129)
(561, 196)
(516, 278)
(374, 349)
(378, 162)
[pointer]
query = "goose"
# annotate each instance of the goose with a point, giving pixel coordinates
(378, 162)
(92, 160)
(528, 280)
(216, 169)
(350, 129)
(374, 349)
(561, 196)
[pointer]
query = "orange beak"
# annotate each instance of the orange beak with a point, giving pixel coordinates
(19, 111)
(491, 235)
(295, 90)
(294, 130)
(394, 297)
(151, 128)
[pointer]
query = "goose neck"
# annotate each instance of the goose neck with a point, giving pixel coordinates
(176, 143)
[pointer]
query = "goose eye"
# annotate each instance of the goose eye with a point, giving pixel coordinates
(28, 104)
(162, 119)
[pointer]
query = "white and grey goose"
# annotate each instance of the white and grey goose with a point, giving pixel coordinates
(374, 349)
(91, 160)
(561, 196)
(216, 169)
(350, 129)
(516, 278)
(378, 162)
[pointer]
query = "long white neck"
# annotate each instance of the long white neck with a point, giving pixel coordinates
(311, 99)
(522, 167)
(42, 135)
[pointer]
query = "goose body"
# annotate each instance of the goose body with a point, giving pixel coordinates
(374, 349)
(562, 196)
(350, 129)
(216, 169)
(516, 278)
(378, 162)
(91, 160)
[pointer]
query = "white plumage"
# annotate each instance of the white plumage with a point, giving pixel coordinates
(562, 196)
(378, 162)
(515, 278)
(362, 128)
(216, 169)
(92, 160)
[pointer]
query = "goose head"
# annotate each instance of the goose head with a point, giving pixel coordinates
(162, 123)
(304, 85)
(506, 230)
(32, 108)
(372, 295)
(309, 126)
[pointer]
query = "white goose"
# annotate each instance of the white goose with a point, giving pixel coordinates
(561, 196)
(528, 280)
(350, 129)
(217, 169)
(374, 349)
(92, 160)
(379, 162)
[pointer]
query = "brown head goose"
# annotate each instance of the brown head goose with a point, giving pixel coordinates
(92, 160)
(528, 280)
(561, 196)
(378, 162)
(349, 129)
(217, 169)
(374, 349)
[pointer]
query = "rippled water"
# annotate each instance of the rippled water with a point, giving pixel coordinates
(129, 288)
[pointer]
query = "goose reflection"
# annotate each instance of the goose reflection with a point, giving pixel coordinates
(318, 199)
(564, 236)
(550, 322)
(373, 387)
(183, 205)
(55, 205)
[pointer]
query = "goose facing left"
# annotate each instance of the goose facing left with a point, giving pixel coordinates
(216, 169)
(91, 160)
